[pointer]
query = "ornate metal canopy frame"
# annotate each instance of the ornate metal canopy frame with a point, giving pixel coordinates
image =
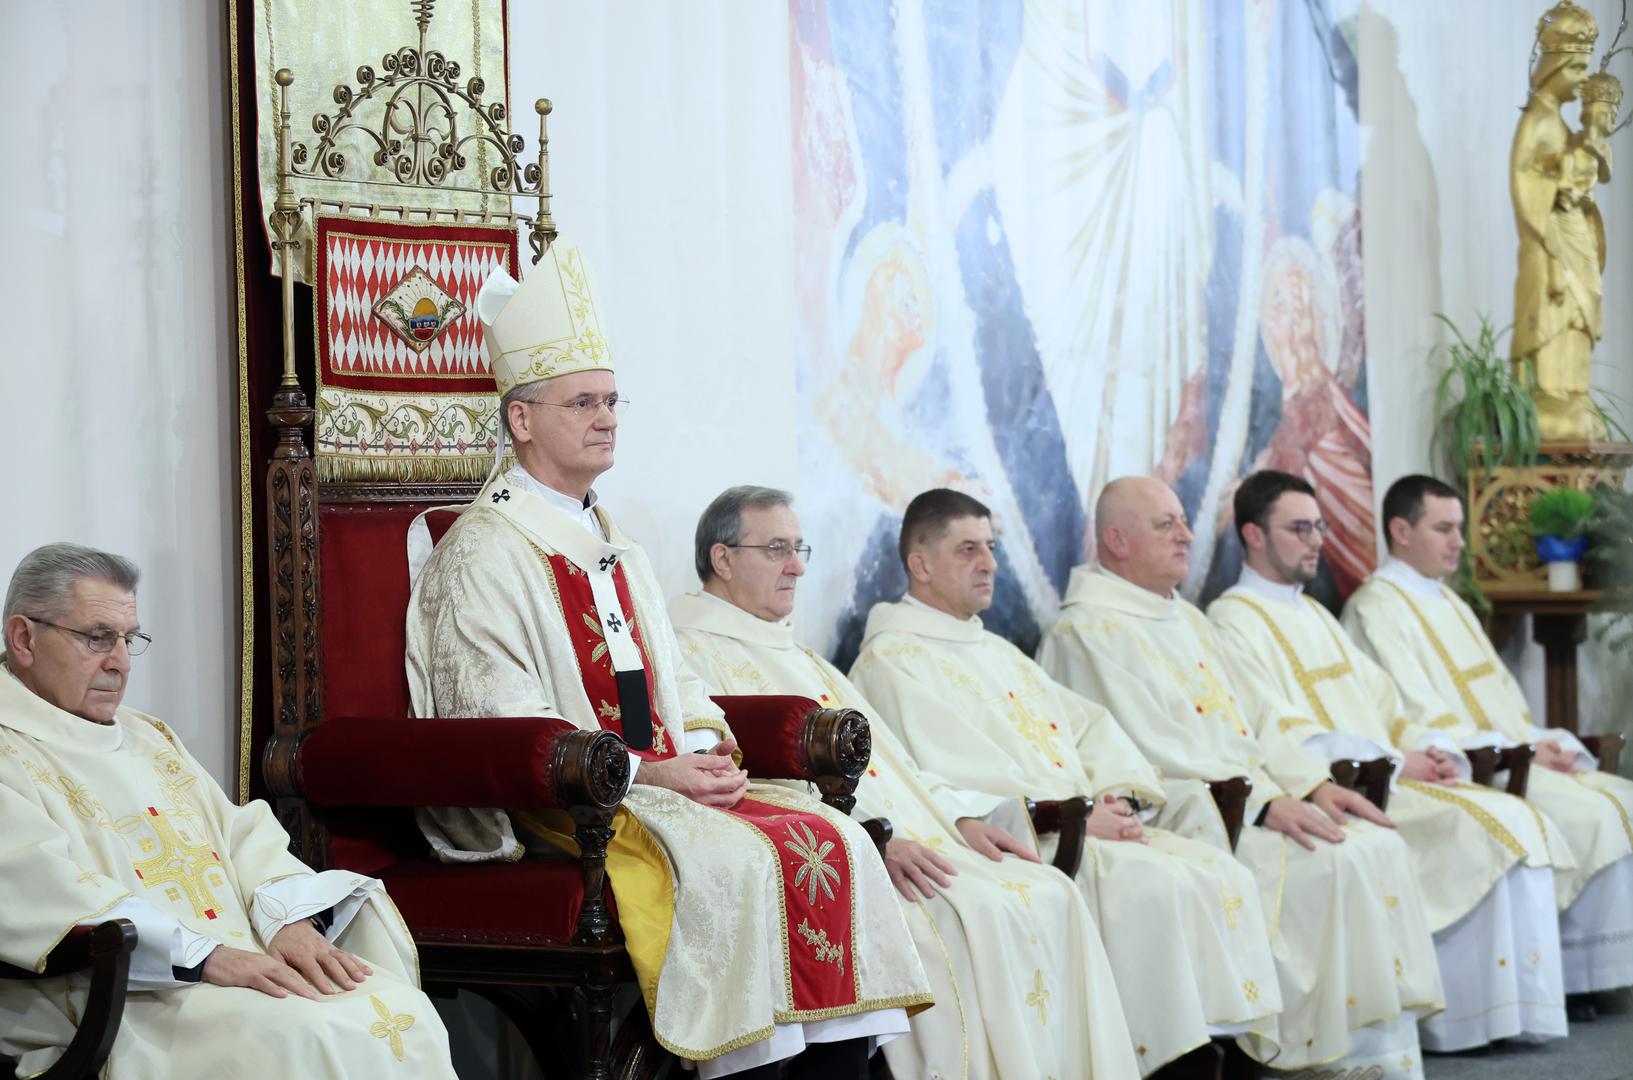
(423, 128)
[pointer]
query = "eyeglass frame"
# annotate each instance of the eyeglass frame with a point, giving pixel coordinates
(802, 550)
(89, 636)
(1302, 528)
(582, 407)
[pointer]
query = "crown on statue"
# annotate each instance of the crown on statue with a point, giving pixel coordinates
(1601, 86)
(544, 326)
(1566, 28)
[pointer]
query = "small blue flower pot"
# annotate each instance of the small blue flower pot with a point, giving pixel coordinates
(1555, 549)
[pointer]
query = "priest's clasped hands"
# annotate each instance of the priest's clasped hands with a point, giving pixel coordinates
(709, 777)
(1320, 814)
(298, 961)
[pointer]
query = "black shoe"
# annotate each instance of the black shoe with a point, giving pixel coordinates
(1581, 1008)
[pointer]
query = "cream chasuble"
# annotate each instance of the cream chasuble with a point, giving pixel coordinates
(1470, 845)
(1015, 961)
(514, 615)
(1457, 692)
(1352, 942)
(1462, 838)
(118, 819)
(1181, 922)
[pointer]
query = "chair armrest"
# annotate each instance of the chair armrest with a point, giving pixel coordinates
(1607, 748)
(105, 950)
(1486, 762)
(879, 830)
(1369, 778)
(1231, 798)
(794, 738)
(1068, 817)
(500, 761)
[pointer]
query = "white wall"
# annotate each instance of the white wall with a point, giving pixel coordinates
(671, 164)
(116, 379)
(1441, 89)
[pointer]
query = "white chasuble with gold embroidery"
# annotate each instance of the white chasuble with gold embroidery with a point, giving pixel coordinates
(1481, 857)
(1352, 941)
(1020, 978)
(1457, 692)
(1181, 920)
(516, 614)
(120, 820)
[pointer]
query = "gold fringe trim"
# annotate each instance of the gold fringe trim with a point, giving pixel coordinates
(39, 965)
(336, 468)
(1627, 826)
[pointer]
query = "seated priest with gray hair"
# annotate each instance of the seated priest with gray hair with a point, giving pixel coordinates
(244, 955)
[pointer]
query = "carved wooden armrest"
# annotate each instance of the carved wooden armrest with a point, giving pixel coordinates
(104, 950)
(793, 738)
(530, 762)
(1068, 817)
(879, 830)
(1607, 748)
(1231, 798)
(1369, 778)
(1486, 762)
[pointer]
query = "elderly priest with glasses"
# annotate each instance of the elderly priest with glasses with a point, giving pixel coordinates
(244, 956)
(535, 603)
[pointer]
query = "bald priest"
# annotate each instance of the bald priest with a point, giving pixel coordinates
(761, 924)
(244, 956)
(1351, 936)
(1012, 951)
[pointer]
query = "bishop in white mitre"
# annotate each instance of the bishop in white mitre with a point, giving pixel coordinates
(1483, 859)
(1347, 920)
(108, 816)
(1014, 957)
(1181, 920)
(759, 922)
(1458, 695)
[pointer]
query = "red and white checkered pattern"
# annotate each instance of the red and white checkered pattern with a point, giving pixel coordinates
(363, 269)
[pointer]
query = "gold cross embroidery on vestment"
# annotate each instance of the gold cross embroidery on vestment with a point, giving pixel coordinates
(390, 1027)
(1461, 677)
(1020, 889)
(1230, 905)
(180, 863)
(1039, 997)
(1308, 679)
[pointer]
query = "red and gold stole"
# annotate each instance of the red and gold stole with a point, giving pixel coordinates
(813, 861)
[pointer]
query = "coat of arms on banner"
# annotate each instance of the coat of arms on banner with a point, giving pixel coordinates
(405, 389)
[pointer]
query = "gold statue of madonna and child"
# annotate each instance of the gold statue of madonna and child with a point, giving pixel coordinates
(1558, 309)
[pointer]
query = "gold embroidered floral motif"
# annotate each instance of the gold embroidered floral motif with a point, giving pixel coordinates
(598, 653)
(390, 1027)
(815, 873)
(1250, 989)
(825, 951)
(1039, 997)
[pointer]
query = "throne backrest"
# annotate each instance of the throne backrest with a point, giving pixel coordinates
(364, 566)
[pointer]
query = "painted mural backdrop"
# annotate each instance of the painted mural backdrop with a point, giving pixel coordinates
(1041, 244)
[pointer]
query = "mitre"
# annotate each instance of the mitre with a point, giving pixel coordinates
(545, 326)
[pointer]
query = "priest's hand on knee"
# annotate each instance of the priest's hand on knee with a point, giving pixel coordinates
(992, 840)
(227, 966)
(331, 970)
(1339, 801)
(1300, 820)
(712, 778)
(910, 864)
(1112, 818)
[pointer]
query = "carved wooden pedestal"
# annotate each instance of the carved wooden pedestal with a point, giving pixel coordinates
(1559, 623)
(1499, 510)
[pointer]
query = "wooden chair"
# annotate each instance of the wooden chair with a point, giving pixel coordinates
(104, 951)
(1369, 778)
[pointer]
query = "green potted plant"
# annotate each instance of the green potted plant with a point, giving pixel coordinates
(1483, 415)
(1559, 519)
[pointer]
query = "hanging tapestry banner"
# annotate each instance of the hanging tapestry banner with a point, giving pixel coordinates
(405, 390)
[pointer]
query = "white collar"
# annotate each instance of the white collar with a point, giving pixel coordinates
(580, 510)
(1255, 582)
(1405, 575)
(921, 605)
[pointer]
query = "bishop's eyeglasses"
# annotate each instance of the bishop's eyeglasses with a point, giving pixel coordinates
(586, 405)
(103, 638)
(779, 550)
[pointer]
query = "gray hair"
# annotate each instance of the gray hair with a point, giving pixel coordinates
(515, 393)
(722, 522)
(42, 582)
